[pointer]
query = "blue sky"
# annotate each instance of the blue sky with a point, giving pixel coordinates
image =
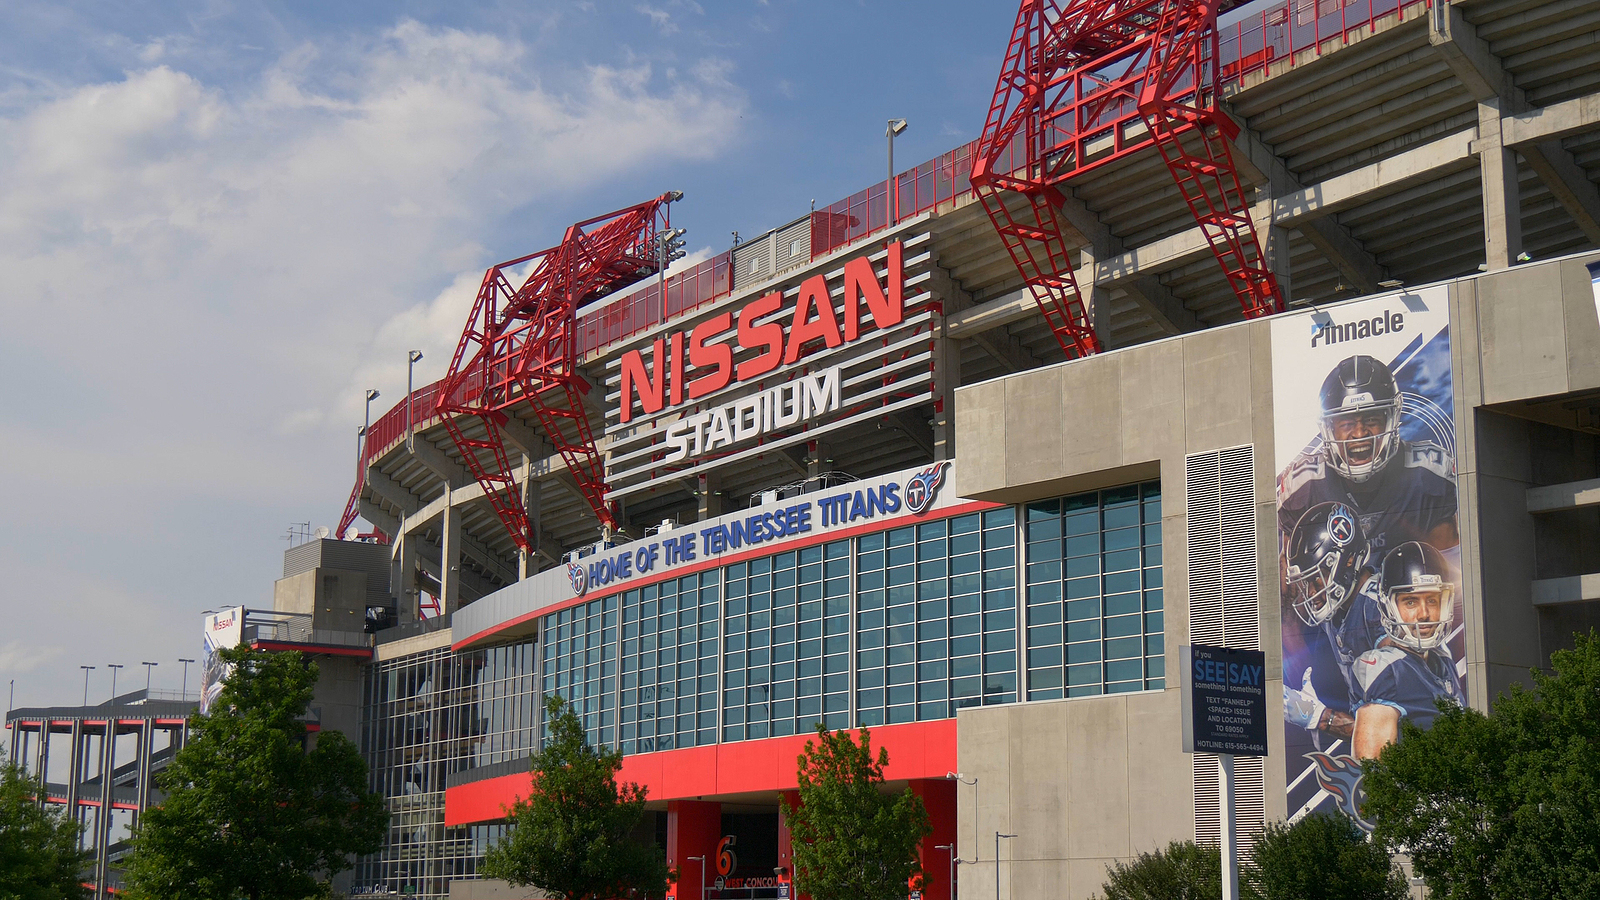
(221, 221)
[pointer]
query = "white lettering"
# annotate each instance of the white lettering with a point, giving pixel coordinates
(785, 405)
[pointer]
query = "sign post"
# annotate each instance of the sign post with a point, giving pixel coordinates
(1225, 713)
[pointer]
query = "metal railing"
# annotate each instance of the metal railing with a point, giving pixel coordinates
(296, 628)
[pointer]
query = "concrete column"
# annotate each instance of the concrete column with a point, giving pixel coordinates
(1277, 259)
(786, 842)
(708, 491)
(1502, 199)
(75, 771)
(946, 378)
(1096, 299)
(939, 798)
(42, 763)
(147, 748)
(532, 501)
(693, 829)
(450, 560)
(102, 824)
(819, 458)
(406, 584)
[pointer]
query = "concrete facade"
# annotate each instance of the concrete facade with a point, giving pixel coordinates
(1085, 781)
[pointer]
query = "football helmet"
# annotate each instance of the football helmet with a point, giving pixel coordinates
(1325, 555)
(1360, 417)
(1418, 596)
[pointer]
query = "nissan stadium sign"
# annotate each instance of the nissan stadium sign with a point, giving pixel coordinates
(825, 348)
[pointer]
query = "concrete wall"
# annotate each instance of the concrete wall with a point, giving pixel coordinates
(1087, 781)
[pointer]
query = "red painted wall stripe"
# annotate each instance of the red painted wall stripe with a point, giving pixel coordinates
(916, 750)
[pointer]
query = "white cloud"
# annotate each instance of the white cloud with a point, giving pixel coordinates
(201, 278)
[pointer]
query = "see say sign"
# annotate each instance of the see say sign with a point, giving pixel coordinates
(1225, 711)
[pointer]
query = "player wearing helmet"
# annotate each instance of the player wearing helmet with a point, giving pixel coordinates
(1329, 586)
(1411, 668)
(1403, 491)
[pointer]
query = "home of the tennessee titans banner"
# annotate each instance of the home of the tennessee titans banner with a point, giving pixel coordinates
(1367, 539)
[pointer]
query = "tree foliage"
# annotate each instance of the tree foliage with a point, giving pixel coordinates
(249, 812)
(1183, 870)
(39, 856)
(1323, 857)
(571, 837)
(1505, 805)
(853, 841)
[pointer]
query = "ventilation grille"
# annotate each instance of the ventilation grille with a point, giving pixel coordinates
(1221, 537)
(1223, 610)
(1249, 800)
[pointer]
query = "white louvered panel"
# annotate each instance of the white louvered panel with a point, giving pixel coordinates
(1241, 619)
(1249, 800)
(1203, 533)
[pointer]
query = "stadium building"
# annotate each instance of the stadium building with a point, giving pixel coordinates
(969, 463)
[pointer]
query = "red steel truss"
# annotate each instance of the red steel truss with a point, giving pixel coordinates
(1091, 82)
(520, 345)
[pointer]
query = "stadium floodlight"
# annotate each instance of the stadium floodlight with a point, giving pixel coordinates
(114, 667)
(186, 663)
(669, 247)
(147, 667)
(891, 195)
(86, 671)
(412, 358)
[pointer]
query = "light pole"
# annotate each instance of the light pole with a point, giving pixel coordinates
(997, 837)
(951, 850)
(186, 677)
(702, 861)
(86, 671)
(895, 127)
(412, 358)
(147, 667)
(976, 854)
(113, 667)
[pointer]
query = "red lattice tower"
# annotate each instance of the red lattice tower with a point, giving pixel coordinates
(1095, 81)
(520, 346)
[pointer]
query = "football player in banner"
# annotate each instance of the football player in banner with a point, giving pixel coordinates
(1368, 545)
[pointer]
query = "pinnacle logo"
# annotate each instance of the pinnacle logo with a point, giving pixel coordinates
(923, 488)
(580, 578)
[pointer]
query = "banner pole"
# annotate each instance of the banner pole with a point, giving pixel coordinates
(1230, 838)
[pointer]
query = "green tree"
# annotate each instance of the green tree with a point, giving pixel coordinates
(39, 856)
(1323, 858)
(1505, 805)
(1183, 870)
(572, 836)
(249, 812)
(852, 840)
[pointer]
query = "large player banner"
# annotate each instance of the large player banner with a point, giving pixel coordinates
(1369, 551)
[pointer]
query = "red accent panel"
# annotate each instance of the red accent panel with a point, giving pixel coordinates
(693, 829)
(916, 750)
(321, 649)
(939, 797)
(483, 801)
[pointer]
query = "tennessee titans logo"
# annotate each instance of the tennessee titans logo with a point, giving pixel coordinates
(923, 488)
(1341, 777)
(1341, 526)
(580, 578)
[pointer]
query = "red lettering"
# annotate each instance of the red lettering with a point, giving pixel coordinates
(677, 367)
(719, 356)
(752, 335)
(861, 283)
(636, 381)
(813, 295)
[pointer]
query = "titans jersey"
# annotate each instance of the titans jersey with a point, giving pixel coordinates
(1358, 629)
(1412, 495)
(1409, 682)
